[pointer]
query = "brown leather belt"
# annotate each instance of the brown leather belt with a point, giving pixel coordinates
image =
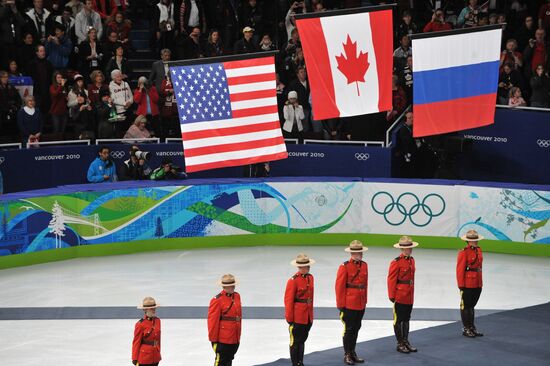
(403, 282)
(150, 343)
(305, 301)
(231, 318)
(351, 285)
(473, 269)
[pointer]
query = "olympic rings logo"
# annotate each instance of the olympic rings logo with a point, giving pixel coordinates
(2, 159)
(408, 206)
(362, 156)
(118, 154)
(543, 143)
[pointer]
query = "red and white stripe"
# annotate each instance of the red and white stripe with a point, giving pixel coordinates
(253, 135)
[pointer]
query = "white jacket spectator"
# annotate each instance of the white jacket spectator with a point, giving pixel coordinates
(86, 19)
(121, 94)
(293, 113)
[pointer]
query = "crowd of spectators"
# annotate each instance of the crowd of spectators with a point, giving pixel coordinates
(77, 54)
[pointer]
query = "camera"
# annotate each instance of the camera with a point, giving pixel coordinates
(145, 155)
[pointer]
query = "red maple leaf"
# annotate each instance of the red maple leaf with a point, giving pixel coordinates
(354, 67)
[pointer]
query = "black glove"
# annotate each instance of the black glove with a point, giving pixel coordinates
(392, 300)
(341, 309)
(134, 362)
(461, 288)
(290, 323)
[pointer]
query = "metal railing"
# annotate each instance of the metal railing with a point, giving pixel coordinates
(129, 141)
(524, 108)
(292, 141)
(17, 145)
(390, 129)
(172, 139)
(345, 142)
(60, 142)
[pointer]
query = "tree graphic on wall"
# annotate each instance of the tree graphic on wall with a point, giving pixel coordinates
(57, 224)
(159, 232)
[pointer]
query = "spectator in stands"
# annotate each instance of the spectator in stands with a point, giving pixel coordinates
(135, 168)
(41, 71)
(76, 6)
(39, 21)
(80, 109)
(120, 93)
(1, 183)
(544, 16)
(406, 148)
(146, 97)
(138, 129)
(190, 47)
(26, 51)
(105, 111)
(469, 16)
(58, 110)
(13, 69)
(169, 124)
(86, 19)
(437, 23)
(399, 100)
(281, 95)
(164, 23)
(405, 75)
(167, 171)
(98, 83)
(407, 26)
(511, 56)
(109, 45)
(507, 80)
(10, 102)
(246, 44)
(122, 27)
(266, 44)
(297, 61)
(30, 122)
(105, 8)
(301, 86)
(252, 16)
(90, 53)
(214, 46)
(12, 24)
(516, 100)
(67, 20)
(59, 48)
(191, 15)
(536, 53)
(102, 169)
(159, 69)
(119, 62)
(294, 116)
(290, 21)
(525, 32)
(540, 88)
(402, 52)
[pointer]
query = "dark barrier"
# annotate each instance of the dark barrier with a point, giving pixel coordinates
(514, 149)
(29, 169)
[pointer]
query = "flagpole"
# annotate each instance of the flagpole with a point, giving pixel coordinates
(456, 31)
(218, 59)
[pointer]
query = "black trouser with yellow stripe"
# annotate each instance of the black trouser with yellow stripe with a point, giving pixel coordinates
(401, 318)
(468, 300)
(298, 336)
(224, 353)
(352, 323)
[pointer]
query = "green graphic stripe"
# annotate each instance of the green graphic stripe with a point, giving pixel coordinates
(296, 239)
(241, 222)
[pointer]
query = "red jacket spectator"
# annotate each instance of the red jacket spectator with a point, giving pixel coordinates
(122, 29)
(437, 26)
(58, 96)
(169, 107)
(141, 99)
(105, 8)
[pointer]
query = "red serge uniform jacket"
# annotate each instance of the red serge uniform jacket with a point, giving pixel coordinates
(351, 285)
(401, 280)
(299, 299)
(146, 344)
(468, 267)
(224, 318)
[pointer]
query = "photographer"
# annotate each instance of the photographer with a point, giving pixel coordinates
(102, 169)
(290, 22)
(469, 16)
(508, 79)
(136, 168)
(146, 97)
(294, 115)
(80, 110)
(437, 23)
(106, 115)
(10, 102)
(540, 87)
(168, 171)
(510, 55)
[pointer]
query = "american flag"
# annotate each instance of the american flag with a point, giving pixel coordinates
(228, 113)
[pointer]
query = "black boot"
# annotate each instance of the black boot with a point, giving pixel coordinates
(406, 337)
(356, 358)
(294, 355)
(466, 331)
(398, 330)
(472, 324)
(301, 350)
(348, 359)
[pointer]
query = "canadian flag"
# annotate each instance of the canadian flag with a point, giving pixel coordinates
(349, 60)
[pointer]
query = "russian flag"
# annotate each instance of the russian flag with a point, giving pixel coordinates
(349, 60)
(455, 80)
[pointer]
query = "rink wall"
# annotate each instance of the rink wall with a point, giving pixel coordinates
(129, 217)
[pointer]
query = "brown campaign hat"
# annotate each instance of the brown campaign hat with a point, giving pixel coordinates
(472, 235)
(405, 242)
(227, 280)
(148, 303)
(356, 247)
(302, 260)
